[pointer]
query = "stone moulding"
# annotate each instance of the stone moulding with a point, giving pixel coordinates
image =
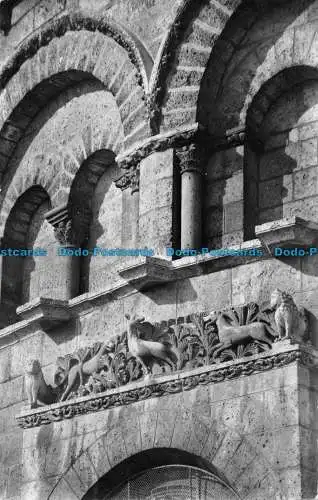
(172, 384)
(147, 271)
(185, 13)
(160, 142)
(49, 313)
(292, 231)
(74, 22)
(185, 136)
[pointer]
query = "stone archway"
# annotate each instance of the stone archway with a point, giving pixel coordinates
(162, 471)
(234, 456)
(197, 51)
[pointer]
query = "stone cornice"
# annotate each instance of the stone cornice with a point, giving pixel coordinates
(161, 142)
(170, 384)
(195, 134)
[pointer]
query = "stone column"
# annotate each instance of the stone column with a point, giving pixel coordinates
(129, 184)
(190, 165)
(68, 239)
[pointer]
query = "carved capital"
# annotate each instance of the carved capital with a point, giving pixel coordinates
(190, 158)
(238, 136)
(70, 224)
(130, 179)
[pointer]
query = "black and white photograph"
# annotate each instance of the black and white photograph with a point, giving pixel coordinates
(159, 249)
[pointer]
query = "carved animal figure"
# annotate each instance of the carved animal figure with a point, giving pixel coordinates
(146, 351)
(87, 368)
(291, 321)
(230, 335)
(36, 387)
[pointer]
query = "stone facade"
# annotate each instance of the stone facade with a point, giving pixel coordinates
(158, 124)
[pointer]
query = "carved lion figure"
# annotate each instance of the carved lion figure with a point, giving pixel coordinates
(291, 321)
(35, 385)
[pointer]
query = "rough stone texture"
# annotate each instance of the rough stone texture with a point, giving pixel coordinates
(73, 97)
(244, 434)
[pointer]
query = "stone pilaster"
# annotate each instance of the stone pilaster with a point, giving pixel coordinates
(190, 161)
(129, 184)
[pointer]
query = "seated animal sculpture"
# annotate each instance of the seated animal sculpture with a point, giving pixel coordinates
(291, 321)
(36, 387)
(230, 335)
(147, 352)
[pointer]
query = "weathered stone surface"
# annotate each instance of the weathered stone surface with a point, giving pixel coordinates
(258, 430)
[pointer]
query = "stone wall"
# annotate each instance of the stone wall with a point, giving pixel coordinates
(84, 86)
(251, 439)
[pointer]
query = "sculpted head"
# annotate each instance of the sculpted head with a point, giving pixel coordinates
(33, 366)
(277, 297)
(213, 316)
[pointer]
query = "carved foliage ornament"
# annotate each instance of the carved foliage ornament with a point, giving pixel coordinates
(103, 402)
(147, 349)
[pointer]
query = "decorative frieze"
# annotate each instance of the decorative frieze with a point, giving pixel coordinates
(146, 350)
(164, 386)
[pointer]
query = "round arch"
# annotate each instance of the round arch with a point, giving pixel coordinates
(15, 236)
(68, 50)
(225, 452)
(156, 458)
(56, 164)
(197, 51)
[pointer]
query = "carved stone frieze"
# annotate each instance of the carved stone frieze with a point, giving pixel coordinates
(112, 399)
(200, 340)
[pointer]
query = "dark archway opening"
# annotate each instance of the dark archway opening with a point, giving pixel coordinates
(162, 473)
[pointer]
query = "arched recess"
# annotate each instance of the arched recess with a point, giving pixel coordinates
(95, 201)
(255, 45)
(176, 472)
(239, 460)
(20, 274)
(68, 50)
(200, 46)
(281, 178)
(59, 152)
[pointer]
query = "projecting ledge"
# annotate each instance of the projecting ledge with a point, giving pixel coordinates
(144, 272)
(288, 232)
(48, 313)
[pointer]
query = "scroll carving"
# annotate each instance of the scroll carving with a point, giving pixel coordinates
(146, 349)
